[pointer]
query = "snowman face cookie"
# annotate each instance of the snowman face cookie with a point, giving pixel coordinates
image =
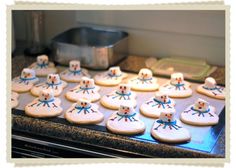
(199, 114)
(42, 66)
(84, 112)
(42, 60)
(145, 74)
(177, 87)
(87, 90)
(155, 105)
(74, 73)
(53, 83)
(168, 129)
(125, 121)
(210, 88)
(112, 77)
(25, 81)
(144, 81)
(122, 95)
(46, 105)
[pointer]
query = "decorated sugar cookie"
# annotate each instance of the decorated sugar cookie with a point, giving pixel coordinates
(25, 81)
(14, 99)
(74, 73)
(155, 105)
(112, 77)
(122, 95)
(84, 112)
(53, 83)
(200, 113)
(144, 81)
(210, 88)
(125, 121)
(86, 89)
(43, 67)
(168, 129)
(177, 87)
(46, 105)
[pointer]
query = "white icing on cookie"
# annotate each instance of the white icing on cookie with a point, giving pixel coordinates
(168, 129)
(125, 121)
(25, 81)
(200, 113)
(46, 105)
(86, 89)
(53, 82)
(177, 87)
(155, 105)
(74, 73)
(210, 88)
(14, 99)
(112, 77)
(122, 95)
(84, 112)
(144, 81)
(42, 66)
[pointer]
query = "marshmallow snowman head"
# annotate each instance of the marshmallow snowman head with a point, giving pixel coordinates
(124, 89)
(162, 97)
(87, 82)
(126, 110)
(42, 59)
(53, 79)
(74, 65)
(167, 116)
(201, 105)
(27, 73)
(114, 71)
(177, 78)
(145, 73)
(210, 82)
(83, 103)
(46, 95)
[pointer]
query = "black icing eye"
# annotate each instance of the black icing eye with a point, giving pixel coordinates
(42, 94)
(176, 78)
(85, 104)
(82, 103)
(127, 108)
(123, 108)
(166, 115)
(170, 114)
(161, 97)
(49, 77)
(84, 82)
(125, 87)
(142, 73)
(120, 87)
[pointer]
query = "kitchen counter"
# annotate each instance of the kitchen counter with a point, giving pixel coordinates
(58, 128)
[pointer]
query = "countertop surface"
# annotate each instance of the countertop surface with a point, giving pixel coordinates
(57, 128)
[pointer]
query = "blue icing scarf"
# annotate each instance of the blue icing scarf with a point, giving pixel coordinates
(199, 112)
(78, 72)
(166, 123)
(215, 88)
(86, 109)
(177, 85)
(130, 117)
(85, 89)
(45, 102)
(26, 79)
(122, 95)
(160, 102)
(43, 65)
(52, 85)
(114, 76)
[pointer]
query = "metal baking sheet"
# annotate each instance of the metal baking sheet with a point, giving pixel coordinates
(203, 138)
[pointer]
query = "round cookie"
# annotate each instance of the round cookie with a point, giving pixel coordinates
(86, 90)
(84, 112)
(200, 114)
(168, 129)
(122, 95)
(42, 66)
(210, 88)
(25, 81)
(46, 105)
(177, 87)
(74, 73)
(155, 105)
(144, 81)
(53, 83)
(112, 77)
(125, 121)
(14, 99)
